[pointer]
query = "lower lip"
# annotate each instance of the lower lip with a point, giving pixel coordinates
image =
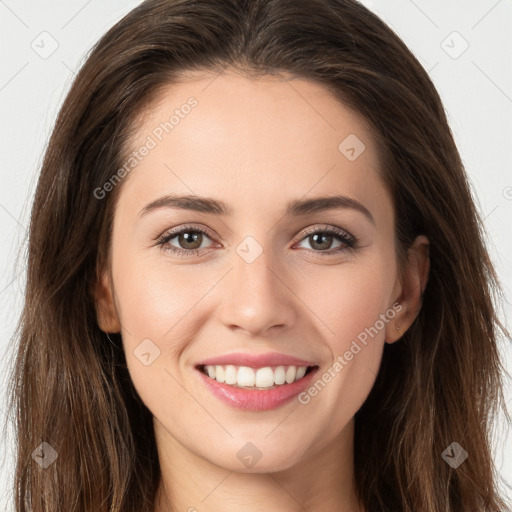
(257, 399)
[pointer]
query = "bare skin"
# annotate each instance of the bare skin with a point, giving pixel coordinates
(256, 145)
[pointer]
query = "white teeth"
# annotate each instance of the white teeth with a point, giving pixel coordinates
(301, 371)
(280, 375)
(290, 374)
(244, 376)
(220, 374)
(264, 377)
(230, 375)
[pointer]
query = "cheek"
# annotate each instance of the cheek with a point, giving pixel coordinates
(161, 314)
(157, 298)
(350, 299)
(353, 308)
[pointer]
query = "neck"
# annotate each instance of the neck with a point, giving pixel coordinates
(321, 482)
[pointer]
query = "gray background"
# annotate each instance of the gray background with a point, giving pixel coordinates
(466, 46)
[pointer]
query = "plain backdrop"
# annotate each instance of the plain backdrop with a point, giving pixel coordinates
(466, 46)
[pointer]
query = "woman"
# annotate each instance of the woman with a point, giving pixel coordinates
(256, 276)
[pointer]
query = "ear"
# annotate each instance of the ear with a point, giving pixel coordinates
(415, 277)
(106, 313)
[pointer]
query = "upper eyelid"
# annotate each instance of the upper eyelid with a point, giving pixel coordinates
(171, 233)
(326, 227)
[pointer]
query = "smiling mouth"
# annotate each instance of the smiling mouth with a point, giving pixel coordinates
(265, 378)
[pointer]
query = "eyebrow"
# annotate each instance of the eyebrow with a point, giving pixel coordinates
(295, 208)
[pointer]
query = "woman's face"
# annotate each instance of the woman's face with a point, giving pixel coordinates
(259, 281)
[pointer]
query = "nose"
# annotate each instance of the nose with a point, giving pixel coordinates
(258, 297)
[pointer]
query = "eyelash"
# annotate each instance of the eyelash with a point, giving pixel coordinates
(348, 240)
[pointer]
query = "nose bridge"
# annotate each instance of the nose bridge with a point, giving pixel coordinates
(257, 297)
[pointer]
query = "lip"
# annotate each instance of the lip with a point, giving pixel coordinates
(256, 360)
(255, 399)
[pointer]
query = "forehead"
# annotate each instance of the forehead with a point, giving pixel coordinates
(211, 134)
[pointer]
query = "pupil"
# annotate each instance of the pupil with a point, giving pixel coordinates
(191, 238)
(322, 236)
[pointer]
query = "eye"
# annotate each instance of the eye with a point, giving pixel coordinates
(189, 237)
(321, 239)
(190, 240)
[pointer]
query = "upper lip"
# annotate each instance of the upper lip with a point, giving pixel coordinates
(256, 360)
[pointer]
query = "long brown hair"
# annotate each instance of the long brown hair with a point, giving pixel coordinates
(441, 383)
